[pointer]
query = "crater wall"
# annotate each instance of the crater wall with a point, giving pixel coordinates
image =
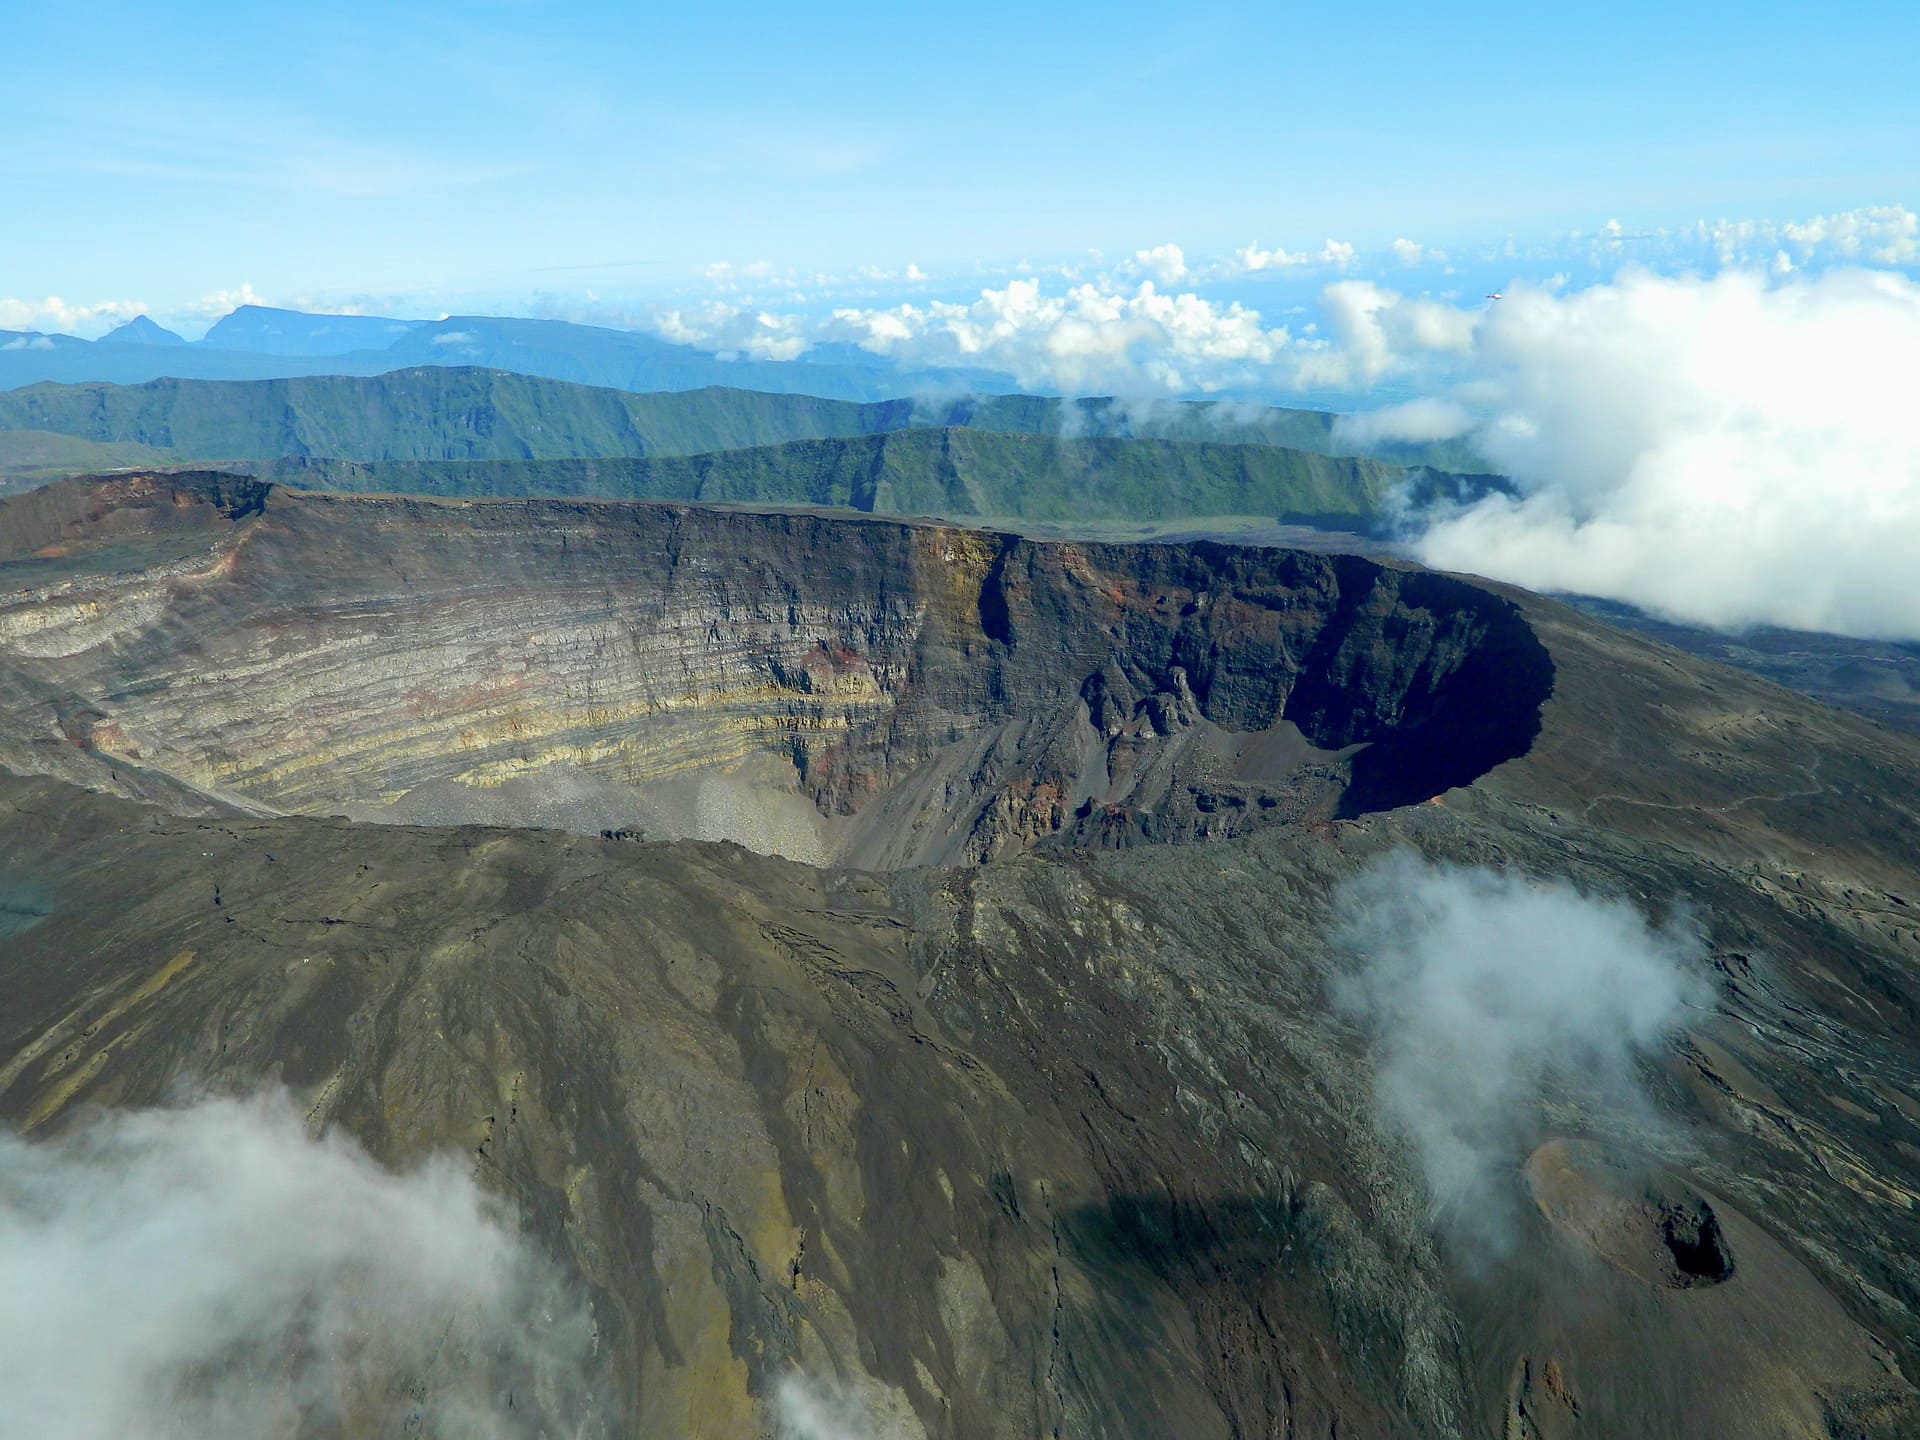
(898, 693)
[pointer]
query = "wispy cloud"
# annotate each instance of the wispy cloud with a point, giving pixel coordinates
(196, 138)
(53, 313)
(212, 1271)
(782, 148)
(1093, 336)
(593, 266)
(1484, 989)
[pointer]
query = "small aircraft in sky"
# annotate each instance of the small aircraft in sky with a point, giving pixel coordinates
(1495, 295)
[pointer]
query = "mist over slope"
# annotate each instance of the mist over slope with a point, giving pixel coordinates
(1480, 988)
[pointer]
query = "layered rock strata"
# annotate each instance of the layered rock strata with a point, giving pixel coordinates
(933, 693)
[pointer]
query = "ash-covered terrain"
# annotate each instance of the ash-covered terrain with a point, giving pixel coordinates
(1228, 992)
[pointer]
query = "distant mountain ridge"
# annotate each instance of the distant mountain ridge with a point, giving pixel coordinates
(263, 330)
(141, 331)
(257, 342)
(444, 413)
(951, 472)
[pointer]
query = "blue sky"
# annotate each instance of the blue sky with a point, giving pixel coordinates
(1701, 219)
(437, 156)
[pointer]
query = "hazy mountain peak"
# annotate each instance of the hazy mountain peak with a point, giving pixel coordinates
(265, 330)
(141, 330)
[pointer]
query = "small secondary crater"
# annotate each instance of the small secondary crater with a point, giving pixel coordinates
(1649, 1223)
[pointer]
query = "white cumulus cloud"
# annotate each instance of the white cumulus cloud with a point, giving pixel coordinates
(734, 331)
(216, 303)
(1415, 421)
(1727, 451)
(1337, 253)
(1374, 332)
(1251, 259)
(1871, 234)
(1089, 338)
(55, 314)
(1166, 264)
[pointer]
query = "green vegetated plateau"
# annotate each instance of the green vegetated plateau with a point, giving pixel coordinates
(949, 472)
(477, 433)
(450, 413)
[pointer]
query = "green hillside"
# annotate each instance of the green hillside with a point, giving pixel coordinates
(431, 413)
(436, 413)
(32, 457)
(950, 472)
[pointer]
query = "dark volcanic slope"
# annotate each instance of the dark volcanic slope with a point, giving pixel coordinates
(1069, 1144)
(1877, 678)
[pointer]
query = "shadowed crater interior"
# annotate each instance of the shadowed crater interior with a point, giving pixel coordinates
(1692, 1236)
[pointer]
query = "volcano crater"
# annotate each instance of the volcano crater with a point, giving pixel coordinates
(833, 689)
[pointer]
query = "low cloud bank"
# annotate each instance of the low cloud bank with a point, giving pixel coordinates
(1480, 989)
(211, 1272)
(1415, 422)
(1727, 451)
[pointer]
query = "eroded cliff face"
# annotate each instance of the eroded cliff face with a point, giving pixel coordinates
(925, 694)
